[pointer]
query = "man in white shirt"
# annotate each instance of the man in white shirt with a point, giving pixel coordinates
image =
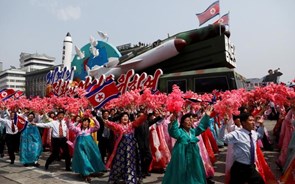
(12, 136)
(244, 147)
(58, 141)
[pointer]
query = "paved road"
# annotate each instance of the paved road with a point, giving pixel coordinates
(12, 174)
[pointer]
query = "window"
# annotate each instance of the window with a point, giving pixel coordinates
(182, 84)
(208, 84)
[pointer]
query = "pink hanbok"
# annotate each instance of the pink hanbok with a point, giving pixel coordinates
(286, 136)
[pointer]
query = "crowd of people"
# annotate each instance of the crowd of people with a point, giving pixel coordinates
(130, 145)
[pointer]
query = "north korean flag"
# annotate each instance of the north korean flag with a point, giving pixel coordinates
(102, 94)
(18, 94)
(20, 122)
(209, 13)
(6, 93)
(223, 20)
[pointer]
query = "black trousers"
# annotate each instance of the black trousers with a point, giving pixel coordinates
(106, 146)
(12, 142)
(242, 173)
(146, 159)
(2, 142)
(57, 144)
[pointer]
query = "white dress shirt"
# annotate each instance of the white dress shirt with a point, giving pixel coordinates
(241, 142)
(7, 123)
(55, 127)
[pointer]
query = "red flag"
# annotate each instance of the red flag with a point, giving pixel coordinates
(6, 93)
(20, 122)
(18, 94)
(223, 20)
(209, 13)
(104, 93)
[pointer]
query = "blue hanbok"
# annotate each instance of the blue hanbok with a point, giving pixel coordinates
(87, 158)
(30, 147)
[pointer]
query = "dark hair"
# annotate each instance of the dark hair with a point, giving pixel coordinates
(51, 112)
(85, 119)
(32, 114)
(236, 117)
(60, 112)
(242, 109)
(103, 111)
(122, 114)
(183, 118)
(244, 116)
(150, 115)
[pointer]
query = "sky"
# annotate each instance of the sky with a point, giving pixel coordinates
(263, 31)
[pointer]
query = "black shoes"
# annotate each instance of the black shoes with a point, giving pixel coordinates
(145, 174)
(46, 166)
(88, 179)
(12, 162)
(68, 169)
(37, 165)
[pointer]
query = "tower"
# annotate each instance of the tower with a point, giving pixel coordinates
(67, 51)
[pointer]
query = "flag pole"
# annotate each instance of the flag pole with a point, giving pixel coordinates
(219, 18)
(228, 21)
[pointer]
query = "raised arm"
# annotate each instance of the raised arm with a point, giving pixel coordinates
(205, 121)
(71, 126)
(203, 125)
(44, 125)
(140, 120)
(3, 121)
(173, 128)
(112, 125)
(96, 127)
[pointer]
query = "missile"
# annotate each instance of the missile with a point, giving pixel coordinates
(160, 53)
(67, 51)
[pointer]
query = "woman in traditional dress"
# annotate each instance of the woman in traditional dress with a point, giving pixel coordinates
(30, 147)
(160, 152)
(186, 165)
(125, 159)
(289, 168)
(86, 159)
(286, 137)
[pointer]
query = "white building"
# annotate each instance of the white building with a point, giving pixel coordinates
(13, 78)
(33, 62)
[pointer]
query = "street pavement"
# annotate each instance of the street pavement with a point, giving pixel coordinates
(56, 174)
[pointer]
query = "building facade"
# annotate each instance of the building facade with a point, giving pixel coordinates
(13, 78)
(33, 62)
(36, 82)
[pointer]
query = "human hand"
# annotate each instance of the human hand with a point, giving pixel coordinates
(209, 110)
(173, 117)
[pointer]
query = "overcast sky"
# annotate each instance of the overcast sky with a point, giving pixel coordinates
(261, 30)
